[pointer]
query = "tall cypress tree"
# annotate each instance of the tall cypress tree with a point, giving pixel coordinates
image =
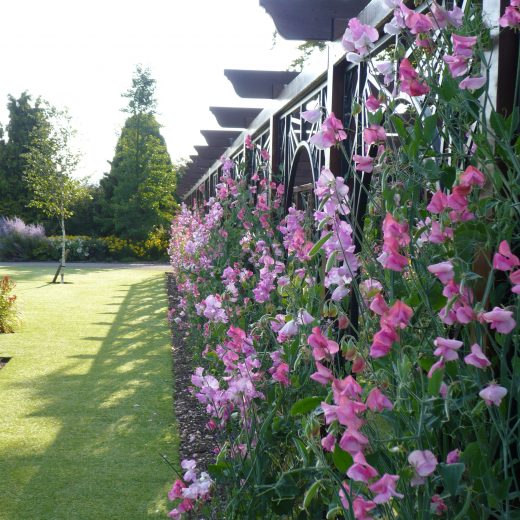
(139, 189)
(14, 193)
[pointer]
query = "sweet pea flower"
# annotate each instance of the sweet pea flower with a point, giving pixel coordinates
(322, 347)
(385, 489)
(500, 320)
(190, 466)
(328, 442)
(372, 103)
(424, 462)
(472, 177)
(362, 508)
(331, 133)
(442, 18)
(458, 65)
(176, 490)
(447, 348)
(463, 45)
(453, 457)
(493, 394)
(288, 331)
(437, 505)
(361, 470)
(472, 83)
(364, 163)
(358, 37)
(416, 22)
(443, 271)
(505, 260)
(514, 278)
(438, 202)
(373, 134)
(378, 305)
(511, 17)
(398, 316)
(409, 82)
(382, 342)
(353, 441)
(281, 374)
(377, 401)
(323, 374)
(477, 358)
(312, 116)
(438, 365)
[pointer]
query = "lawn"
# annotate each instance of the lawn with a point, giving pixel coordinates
(86, 398)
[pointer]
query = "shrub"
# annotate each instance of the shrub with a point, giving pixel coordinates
(8, 311)
(20, 241)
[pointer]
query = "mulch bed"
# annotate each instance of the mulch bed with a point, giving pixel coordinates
(196, 441)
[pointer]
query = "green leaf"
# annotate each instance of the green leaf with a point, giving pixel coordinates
(330, 261)
(400, 128)
(334, 513)
(451, 475)
(429, 129)
(310, 493)
(306, 405)
(435, 382)
(448, 175)
(342, 459)
(319, 244)
(449, 88)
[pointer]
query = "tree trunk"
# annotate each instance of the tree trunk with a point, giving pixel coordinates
(62, 272)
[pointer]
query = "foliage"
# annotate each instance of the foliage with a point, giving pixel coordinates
(20, 241)
(306, 49)
(24, 117)
(8, 312)
(367, 369)
(139, 189)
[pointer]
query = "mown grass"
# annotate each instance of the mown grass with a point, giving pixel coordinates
(86, 406)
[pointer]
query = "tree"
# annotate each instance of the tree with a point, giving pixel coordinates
(24, 115)
(139, 189)
(50, 163)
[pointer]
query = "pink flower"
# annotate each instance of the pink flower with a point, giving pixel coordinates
(511, 17)
(514, 278)
(493, 394)
(443, 271)
(500, 319)
(358, 365)
(176, 490)
(458, 65)
(457, 199)
(378, 305)
(331, 132)
(328, 442)
(347, 387)
(453, 457)
(189, 466)
(472, 177)
(477, 358)
(416, 22)
(424, 462)
(353, 441)
(409, 82)
(281, 374)
(398, 315)
(322, 347)
(437, 505)
(323, 375)
(447, 348)
(312, 116)
(441, 17)
(363, 163)
(382, 342)
(438, 202)
(373, 134)
(372, 103)
(361, 508)
(463, 45)
(385, 488)
(377, 401)
(248, 143)
(438, 365)
(472, 83)
(505, 260)
(358, 37)
(361, 470)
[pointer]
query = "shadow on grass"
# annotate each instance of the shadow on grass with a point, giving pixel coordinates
(114, 420)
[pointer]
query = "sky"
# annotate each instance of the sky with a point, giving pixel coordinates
(81, 55)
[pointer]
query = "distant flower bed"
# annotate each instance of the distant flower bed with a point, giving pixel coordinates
(8, 311)
(367, 368)
(20, 241)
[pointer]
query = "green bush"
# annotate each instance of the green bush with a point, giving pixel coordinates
(8, 311)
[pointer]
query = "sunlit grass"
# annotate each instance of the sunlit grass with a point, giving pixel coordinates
(86, 398)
